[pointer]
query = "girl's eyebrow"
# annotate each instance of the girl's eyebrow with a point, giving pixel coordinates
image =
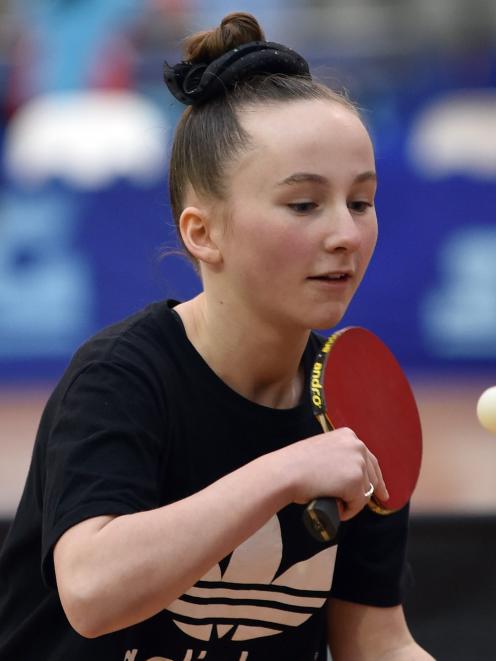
(300, 177)
(365, 176)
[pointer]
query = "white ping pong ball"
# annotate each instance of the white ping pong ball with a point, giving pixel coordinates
(486, 409)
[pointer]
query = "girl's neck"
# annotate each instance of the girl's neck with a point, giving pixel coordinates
(257, 360)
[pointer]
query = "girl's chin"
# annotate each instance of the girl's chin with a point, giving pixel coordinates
(328, 320)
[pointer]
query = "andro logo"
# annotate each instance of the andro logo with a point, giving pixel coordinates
(246, 601)
(316, 385)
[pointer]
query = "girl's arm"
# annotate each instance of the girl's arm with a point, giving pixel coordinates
(113, 572)
(368, 633)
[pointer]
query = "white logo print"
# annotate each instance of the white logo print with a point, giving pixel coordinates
(246, 602)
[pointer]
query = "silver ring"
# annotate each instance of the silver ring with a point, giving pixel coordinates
(368, 493)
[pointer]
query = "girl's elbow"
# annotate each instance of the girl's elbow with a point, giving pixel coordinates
(83, 608)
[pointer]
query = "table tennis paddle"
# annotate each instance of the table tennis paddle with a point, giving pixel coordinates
(357, 382)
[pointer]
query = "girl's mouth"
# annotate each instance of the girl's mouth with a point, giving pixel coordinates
(331, 277)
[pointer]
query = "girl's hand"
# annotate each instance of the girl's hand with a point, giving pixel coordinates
(334, 464)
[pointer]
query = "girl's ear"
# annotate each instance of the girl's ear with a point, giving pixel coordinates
(196, 232)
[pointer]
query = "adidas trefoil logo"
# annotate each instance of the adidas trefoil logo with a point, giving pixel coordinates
(246, 602)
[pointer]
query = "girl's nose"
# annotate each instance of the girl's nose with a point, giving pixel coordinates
(343, 233)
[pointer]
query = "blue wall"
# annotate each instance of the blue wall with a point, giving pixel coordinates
(72, 261)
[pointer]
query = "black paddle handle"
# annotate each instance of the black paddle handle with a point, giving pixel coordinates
(321, 517)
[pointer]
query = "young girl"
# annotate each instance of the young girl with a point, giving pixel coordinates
(162, 514)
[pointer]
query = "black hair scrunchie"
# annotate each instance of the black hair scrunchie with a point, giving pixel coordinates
(195, 83)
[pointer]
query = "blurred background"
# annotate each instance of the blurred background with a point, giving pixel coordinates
(85, 128)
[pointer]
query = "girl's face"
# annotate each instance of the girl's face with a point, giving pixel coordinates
(300, 221)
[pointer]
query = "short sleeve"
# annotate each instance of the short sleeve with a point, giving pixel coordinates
(105, 449)
(370, 564)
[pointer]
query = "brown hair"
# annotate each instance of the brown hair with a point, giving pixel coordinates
(210, 136)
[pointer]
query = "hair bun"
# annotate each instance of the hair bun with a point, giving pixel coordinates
(235, 30)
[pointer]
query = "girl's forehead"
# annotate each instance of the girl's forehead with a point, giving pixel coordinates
(301, 134)
(306, 116)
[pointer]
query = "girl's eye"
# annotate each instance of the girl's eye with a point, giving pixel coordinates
(360, 206)
(302, 207)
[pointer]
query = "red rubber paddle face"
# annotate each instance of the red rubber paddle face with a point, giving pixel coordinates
(365, 389)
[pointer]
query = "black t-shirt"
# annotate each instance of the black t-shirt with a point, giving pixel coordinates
(139, 420)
